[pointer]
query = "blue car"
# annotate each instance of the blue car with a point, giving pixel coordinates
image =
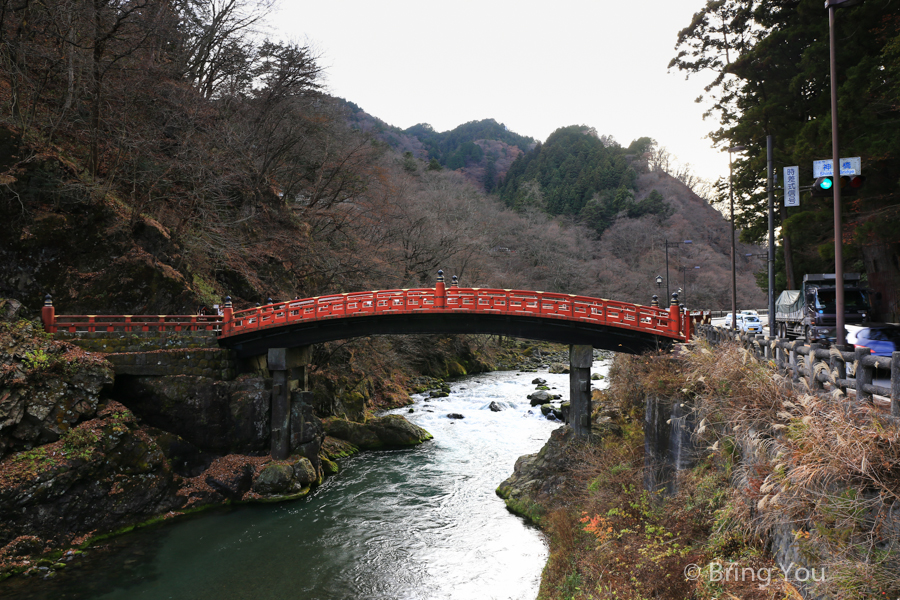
(883, 339)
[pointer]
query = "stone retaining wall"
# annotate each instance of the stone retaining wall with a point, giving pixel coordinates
(215, 363)
(156, 354)
(139, 341)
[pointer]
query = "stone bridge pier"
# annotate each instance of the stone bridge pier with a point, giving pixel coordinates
(289, 368)
(580, 359)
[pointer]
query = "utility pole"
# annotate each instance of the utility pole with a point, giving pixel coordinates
(840, 332)
(770, 171)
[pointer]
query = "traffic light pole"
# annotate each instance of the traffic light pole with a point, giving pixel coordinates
(770, 150)
(839, 331)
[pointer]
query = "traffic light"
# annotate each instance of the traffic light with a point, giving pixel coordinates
(822, 186)
(851, 183)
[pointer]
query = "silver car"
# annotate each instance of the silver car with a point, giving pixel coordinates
(749, 324)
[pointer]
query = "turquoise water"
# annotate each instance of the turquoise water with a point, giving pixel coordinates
(403, 524)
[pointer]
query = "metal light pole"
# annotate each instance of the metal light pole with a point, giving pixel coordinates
(684, 271)
(731, 203)
(671, 245)
(840, 334)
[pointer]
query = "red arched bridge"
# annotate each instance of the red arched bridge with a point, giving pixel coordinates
(562, 318)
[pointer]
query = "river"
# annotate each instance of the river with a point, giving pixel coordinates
(402, 524)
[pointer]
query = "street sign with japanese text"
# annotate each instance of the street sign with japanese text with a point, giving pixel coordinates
(792, 186)
(849, 166)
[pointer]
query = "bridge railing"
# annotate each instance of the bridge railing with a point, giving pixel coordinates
(476, 300)
(134, 323)
(671, 322)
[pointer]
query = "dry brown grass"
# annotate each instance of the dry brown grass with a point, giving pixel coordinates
(829, 469)
(774, 458)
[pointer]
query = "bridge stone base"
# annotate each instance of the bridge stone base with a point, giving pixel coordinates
(580, 359)
(284, 363)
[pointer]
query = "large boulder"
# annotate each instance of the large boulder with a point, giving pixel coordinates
(216, 416)
(537, 476)
(46, 386)
(540, 397)
(275, 479)
(104, 474)
(231, 478)
(389, 431)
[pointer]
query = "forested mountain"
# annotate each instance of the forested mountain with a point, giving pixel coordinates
(481, 150)
(576, 172)
(154, 159)
(457, 147)
(769, 61)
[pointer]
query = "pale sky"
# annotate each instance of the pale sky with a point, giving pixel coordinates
(534, 66)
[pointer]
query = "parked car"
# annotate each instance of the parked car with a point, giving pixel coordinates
(752, 313)
(882, 338)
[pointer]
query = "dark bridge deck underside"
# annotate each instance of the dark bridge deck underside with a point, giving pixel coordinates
(605, 337)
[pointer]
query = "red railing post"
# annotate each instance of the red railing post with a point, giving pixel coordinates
(227, 316)
(48, 315)
(674, 316)
(687, 326)
(440, 293)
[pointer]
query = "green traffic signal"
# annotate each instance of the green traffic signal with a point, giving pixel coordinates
(822, 186)
(849, 184)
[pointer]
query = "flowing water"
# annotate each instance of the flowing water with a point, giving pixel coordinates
(401, 524)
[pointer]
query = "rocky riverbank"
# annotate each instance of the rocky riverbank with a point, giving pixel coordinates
(77, 464)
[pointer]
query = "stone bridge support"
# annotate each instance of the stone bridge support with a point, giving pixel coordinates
(288, 367)
(580, 359)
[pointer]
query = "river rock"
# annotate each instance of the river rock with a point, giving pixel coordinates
(559, 368)
(539, 397)
(536, 476)
(379, 432)
(539, 381)
(277, 479)
(232, 483)
(333, 448)
(495, 407)
(455, 416)
(551, 412)
(304, 471)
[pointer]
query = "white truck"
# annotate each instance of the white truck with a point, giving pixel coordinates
(810, 313)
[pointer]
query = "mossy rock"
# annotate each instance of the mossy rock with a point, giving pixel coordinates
(275, 479)
(389, 431)
(334, 448)
(455, 369)
(329, 467)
